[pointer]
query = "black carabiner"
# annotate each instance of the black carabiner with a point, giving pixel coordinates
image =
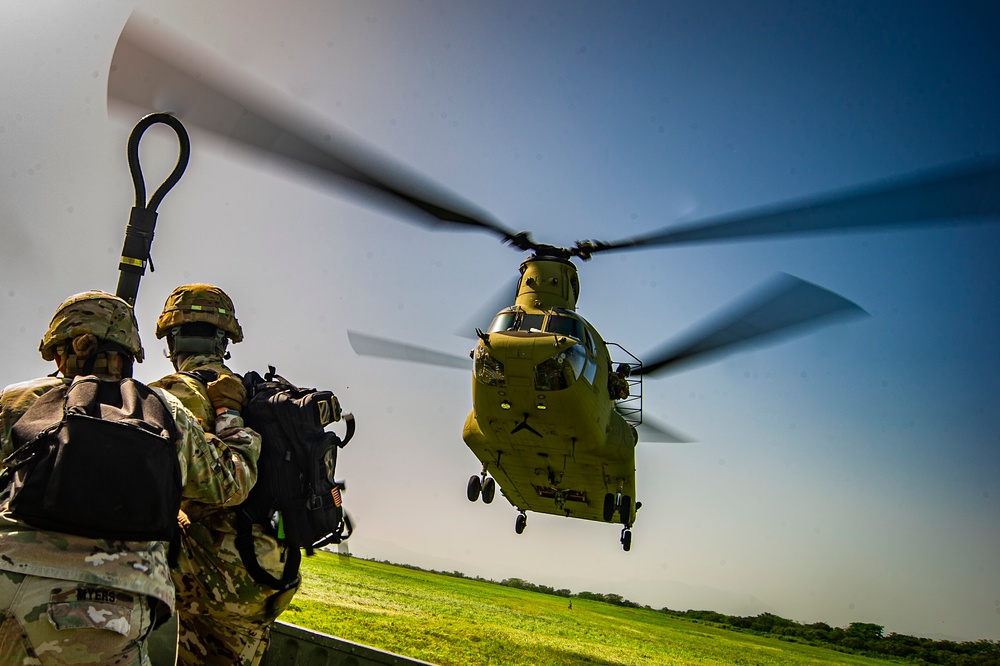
(142, 219)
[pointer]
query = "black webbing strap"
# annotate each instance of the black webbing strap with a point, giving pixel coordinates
(244, 546)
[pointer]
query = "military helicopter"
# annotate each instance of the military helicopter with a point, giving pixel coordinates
(556, 413)
(557, 410)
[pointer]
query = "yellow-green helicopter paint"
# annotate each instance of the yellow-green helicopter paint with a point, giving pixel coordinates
(543, 422)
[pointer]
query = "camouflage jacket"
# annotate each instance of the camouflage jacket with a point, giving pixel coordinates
(214, 471)
(193, 394)
(214, 530)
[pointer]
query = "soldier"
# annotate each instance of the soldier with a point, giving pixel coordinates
(72, 599)
(224, 616)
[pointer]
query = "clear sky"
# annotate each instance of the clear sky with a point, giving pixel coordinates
(849, 475)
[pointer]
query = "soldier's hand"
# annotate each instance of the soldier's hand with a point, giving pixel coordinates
(227, 392)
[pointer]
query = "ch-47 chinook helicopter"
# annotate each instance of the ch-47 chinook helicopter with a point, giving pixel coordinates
(555, 411)
(556, 408)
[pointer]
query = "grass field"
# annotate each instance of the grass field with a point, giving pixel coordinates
(458, 621)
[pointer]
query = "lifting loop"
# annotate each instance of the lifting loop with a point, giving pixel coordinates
(142, 219)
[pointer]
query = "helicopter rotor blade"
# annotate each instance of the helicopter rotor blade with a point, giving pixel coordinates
(964, 193)
(653, 432)
(156, 70)
(484, 314)
(367, 345)
(785, 305)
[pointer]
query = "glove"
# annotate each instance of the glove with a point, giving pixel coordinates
(227, 392)
(182, 520)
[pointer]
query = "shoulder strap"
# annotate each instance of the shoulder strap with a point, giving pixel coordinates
(244, 545)
(203, 376)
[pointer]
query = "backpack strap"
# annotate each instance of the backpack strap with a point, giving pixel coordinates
(203, 376)
(244, 546)
(339, 536)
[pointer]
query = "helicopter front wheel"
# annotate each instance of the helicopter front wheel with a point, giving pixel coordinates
(626, 539)
(520, 523)
(609, 507)
(489, 489)
(474, 487)
(625, 510)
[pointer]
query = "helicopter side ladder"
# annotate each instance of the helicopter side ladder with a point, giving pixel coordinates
(630, 408)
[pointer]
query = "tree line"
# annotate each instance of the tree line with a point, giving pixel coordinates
(862, 638)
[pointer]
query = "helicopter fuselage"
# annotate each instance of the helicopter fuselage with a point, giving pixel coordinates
(543, 421)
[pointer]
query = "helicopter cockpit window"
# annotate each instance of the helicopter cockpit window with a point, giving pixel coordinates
(488, 370)
(568, 326)
(517, 321)
(531, 322)
(559, 372)
(505, 321)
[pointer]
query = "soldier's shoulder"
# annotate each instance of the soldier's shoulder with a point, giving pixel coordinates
(20, 392)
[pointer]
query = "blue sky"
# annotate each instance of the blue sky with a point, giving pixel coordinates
(849, 475)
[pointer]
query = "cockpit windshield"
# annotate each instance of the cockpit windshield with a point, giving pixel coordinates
(563, 325)
(505, 321)
(517, 321)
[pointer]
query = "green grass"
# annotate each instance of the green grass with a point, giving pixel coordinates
(458, 621)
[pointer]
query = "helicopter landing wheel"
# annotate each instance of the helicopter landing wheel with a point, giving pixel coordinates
(609, 507)
(520, 523)
(489, 489)
(472, 490)
(625, 510)
(626, 539)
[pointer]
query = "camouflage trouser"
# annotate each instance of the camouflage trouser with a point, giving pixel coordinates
(224, 617)
(54, 622)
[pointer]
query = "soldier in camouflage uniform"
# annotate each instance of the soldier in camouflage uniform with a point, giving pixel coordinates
(224, 616)
(69, 599)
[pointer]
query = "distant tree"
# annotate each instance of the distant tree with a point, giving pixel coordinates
(740, 622)
(765, 622)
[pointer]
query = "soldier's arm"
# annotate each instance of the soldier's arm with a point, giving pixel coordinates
(14, 402)
(217, 468)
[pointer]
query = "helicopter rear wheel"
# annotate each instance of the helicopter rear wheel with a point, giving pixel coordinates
(626, 539)
(625, 510)
(489, 489)
(609, 507)
(520, 523)
(472, 490)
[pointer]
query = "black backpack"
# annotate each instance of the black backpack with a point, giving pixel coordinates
(296, 496)
(97, 459)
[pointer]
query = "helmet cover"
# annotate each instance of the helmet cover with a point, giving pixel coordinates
(199, 302)
(103, 315)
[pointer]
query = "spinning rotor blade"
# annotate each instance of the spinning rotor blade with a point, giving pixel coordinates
(366, 345)
(967, 193)
(156, 71)
(784, 305)
(484, 314)
(652, 432)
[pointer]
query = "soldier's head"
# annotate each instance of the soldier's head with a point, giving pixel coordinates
(198, 319)
(93, 333)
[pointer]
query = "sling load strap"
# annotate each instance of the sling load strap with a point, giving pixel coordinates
(244, 546)
(349, 422)
(337, 538)
(142, 219)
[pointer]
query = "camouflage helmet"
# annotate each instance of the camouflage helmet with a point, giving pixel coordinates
(106, 317)
(199, 302)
